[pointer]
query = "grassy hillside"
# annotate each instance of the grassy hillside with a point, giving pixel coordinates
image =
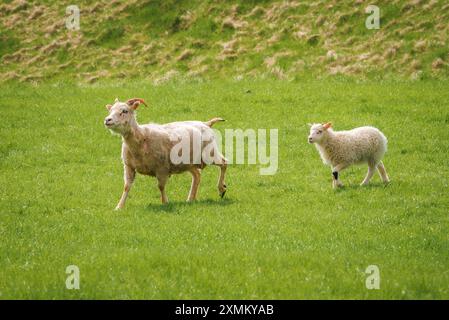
(289, 235)
(161, 40)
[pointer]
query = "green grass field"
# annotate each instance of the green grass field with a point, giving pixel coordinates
(287, 236)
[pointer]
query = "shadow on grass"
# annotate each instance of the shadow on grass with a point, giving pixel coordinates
(173, 207)
(372, 185)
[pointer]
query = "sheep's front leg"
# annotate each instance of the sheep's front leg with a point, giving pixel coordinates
(196, 178)
(161, 182)
(129, 175)
(335, 175)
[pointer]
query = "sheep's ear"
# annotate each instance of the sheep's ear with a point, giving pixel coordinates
(135, 105)
(135, 102)
(108, 107)
(327, 125)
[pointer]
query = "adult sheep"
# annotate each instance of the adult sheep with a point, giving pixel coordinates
(340, 149)
(147, 149)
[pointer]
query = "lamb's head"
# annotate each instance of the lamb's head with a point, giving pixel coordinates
(318, 132)
(122, 115)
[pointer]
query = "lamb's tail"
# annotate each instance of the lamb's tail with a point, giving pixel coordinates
(211, 122)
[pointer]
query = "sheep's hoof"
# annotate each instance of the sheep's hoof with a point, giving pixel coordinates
(117, 208)
(222, 190)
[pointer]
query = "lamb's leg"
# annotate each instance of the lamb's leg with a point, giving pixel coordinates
(161, 182)
(196, 178)
(335, 175)
(369, 174)
(129, 175)
(382, 172)
(222, 163)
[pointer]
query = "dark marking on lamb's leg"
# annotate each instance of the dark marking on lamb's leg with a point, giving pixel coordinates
(335, 182)
(335, 174)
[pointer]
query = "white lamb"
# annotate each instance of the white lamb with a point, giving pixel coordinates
(340, 149)
(146, 149)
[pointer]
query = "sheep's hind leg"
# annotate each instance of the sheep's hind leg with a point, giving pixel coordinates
(196, 178)
(369, 174)
(383, 173)
(129, 176)
(162, 181)
(222, 163)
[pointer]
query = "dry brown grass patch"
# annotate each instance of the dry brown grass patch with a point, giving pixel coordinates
(186, 54)
(437, 64)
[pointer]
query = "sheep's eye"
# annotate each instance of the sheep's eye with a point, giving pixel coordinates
(320, 132)
(124, 111)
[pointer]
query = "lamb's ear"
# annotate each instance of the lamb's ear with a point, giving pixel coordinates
(327, 125)
(108, 107)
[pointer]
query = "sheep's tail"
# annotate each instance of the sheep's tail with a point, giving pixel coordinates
(211, 122)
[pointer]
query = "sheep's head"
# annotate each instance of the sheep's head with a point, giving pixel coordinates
(318, 132)
(122, 115)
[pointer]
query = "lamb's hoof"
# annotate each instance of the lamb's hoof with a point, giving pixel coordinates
(118, 208)
(337, 185)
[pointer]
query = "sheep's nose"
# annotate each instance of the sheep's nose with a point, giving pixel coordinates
(310, 139)
(107, 120)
